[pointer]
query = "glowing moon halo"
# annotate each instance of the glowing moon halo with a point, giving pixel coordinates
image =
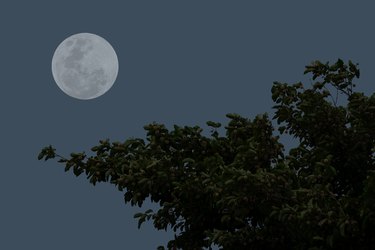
(84, 66)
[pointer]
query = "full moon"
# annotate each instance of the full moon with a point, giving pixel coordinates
(84, 66)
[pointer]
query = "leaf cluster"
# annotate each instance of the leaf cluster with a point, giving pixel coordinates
(240, 191)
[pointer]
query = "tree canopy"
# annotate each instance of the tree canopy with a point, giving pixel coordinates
(241, 191)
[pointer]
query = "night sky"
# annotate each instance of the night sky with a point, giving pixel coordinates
(180, 62)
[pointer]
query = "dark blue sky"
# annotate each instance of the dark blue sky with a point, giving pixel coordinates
(181, 62)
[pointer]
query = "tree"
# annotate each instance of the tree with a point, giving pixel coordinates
(240, 191)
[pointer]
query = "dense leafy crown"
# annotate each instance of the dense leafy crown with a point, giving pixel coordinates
(240, 191)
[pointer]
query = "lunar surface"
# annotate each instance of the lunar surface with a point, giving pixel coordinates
(84, 66)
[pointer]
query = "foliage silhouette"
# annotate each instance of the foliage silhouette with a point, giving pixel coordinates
(240, 191)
